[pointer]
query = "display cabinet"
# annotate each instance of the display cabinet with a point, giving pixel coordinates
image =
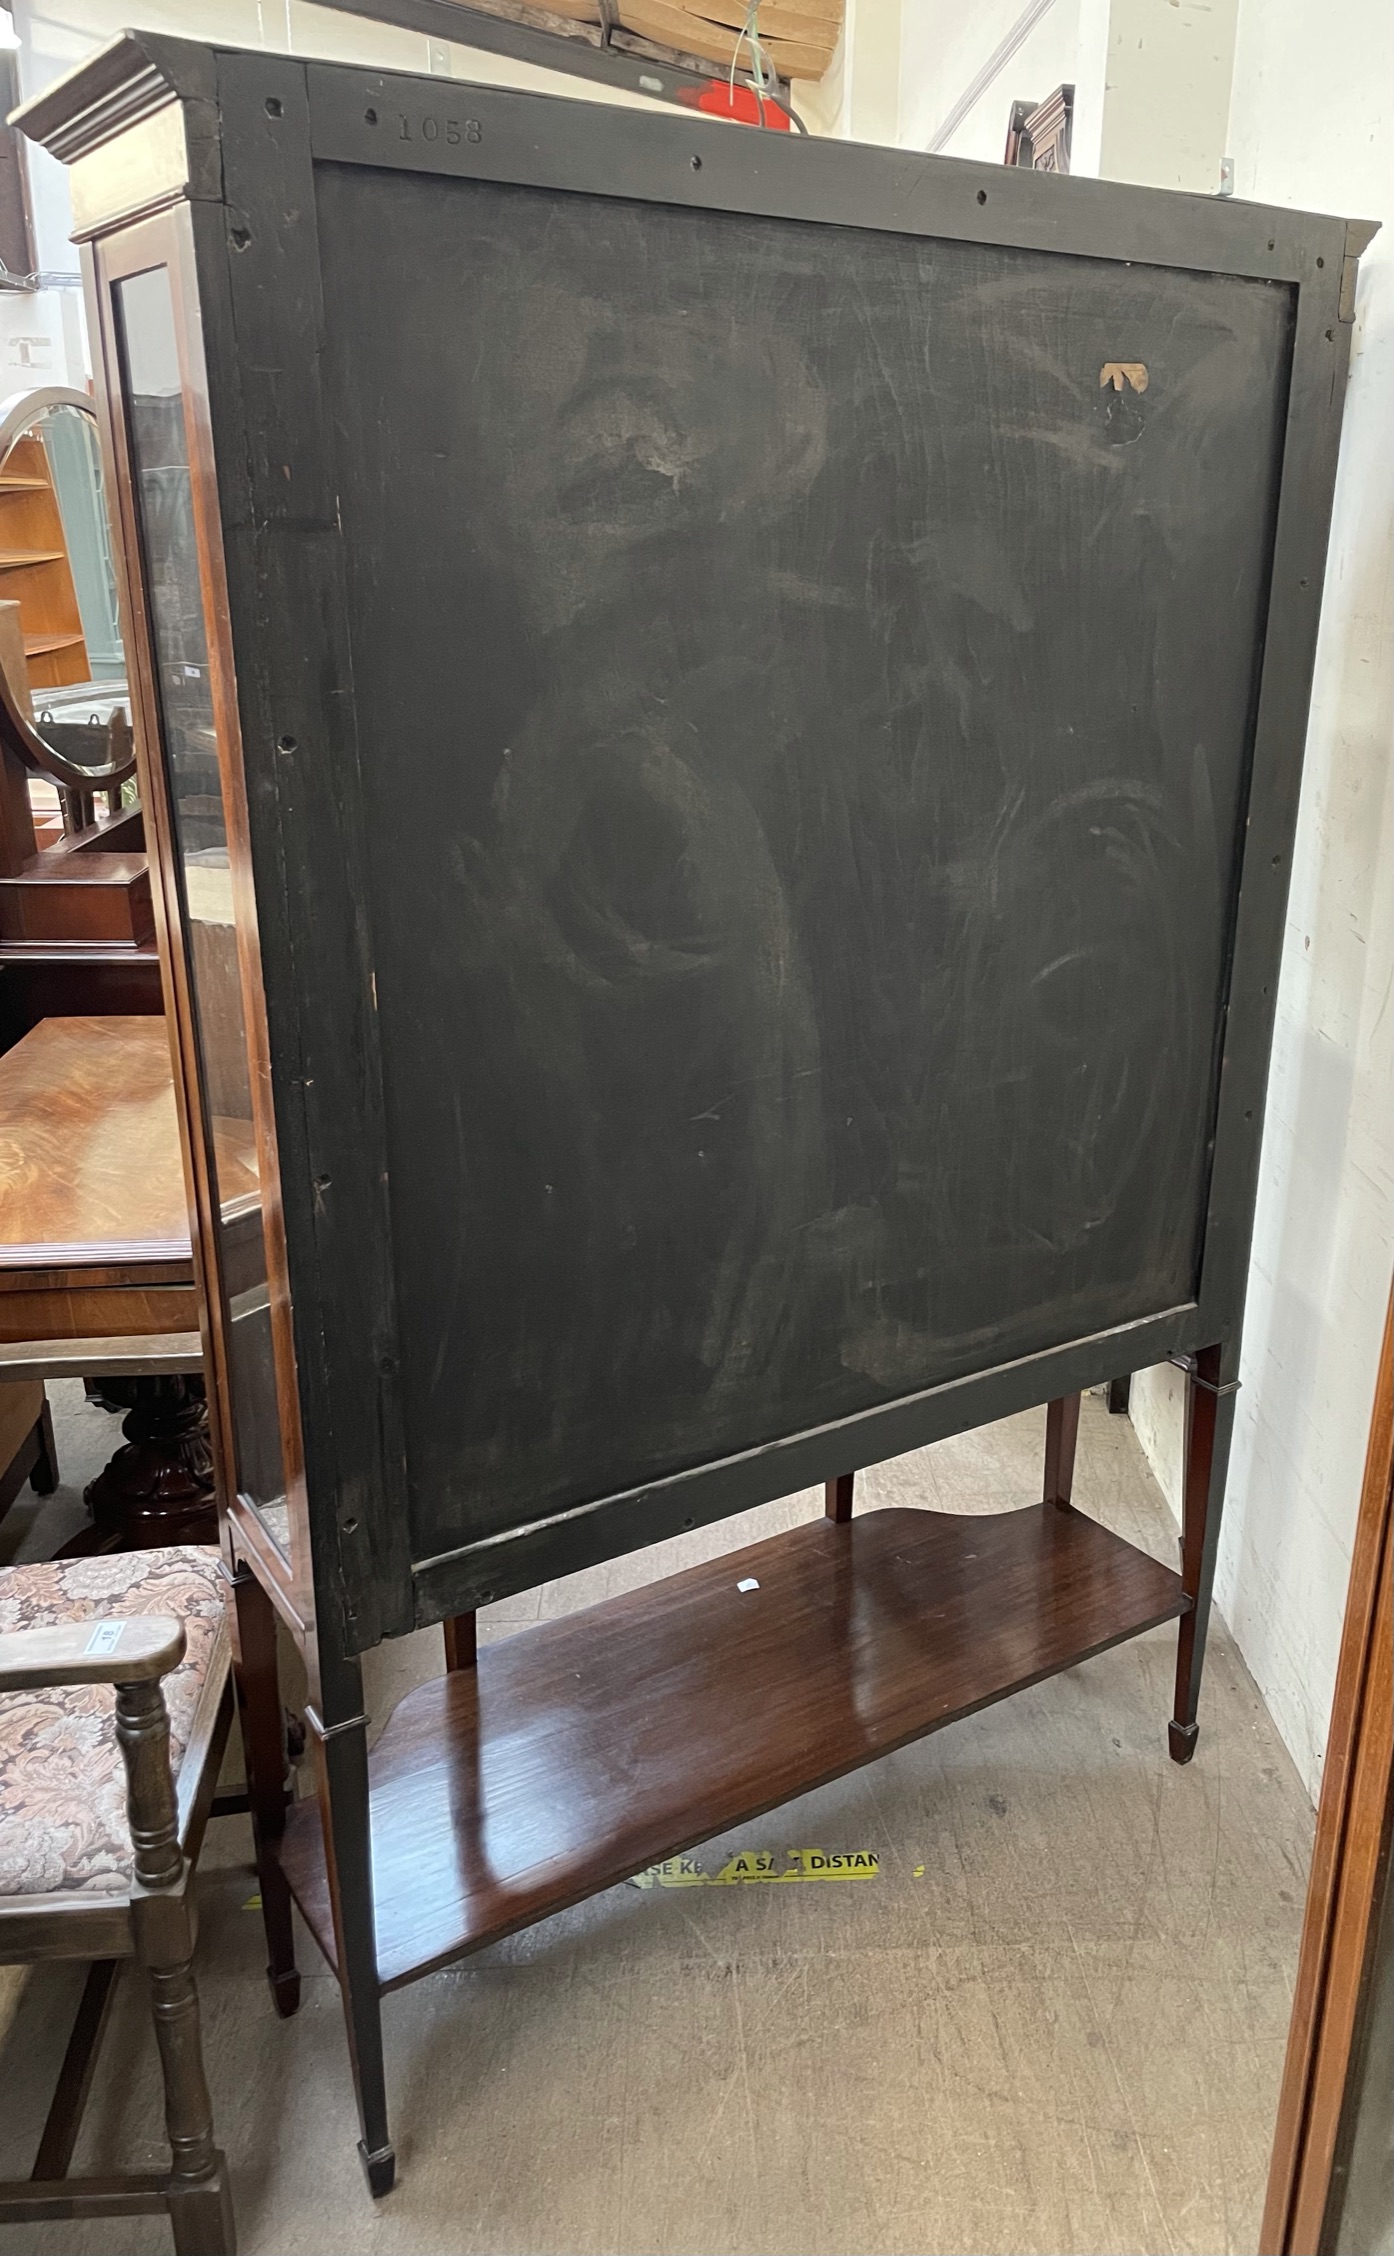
(736, 706)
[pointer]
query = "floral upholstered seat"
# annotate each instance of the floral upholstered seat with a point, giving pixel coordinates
(62, 1780)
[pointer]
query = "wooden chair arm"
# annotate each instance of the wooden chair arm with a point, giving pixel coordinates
(133, 1653)
(133, 1650)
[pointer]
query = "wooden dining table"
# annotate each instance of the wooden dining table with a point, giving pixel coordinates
(96, 1267)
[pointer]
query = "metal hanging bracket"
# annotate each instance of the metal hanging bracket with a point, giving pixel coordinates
(1187, 1363)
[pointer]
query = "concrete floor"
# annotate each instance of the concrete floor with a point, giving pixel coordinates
(1053, 2022)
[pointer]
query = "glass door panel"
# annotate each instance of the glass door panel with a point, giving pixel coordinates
(163, 484)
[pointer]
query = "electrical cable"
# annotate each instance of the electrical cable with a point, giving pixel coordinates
(751, 36)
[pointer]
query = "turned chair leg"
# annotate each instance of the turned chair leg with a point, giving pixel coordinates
(1062, 1432)
(341, 1761)
(199, 2196)
(197, 2192)
(1210, 1392)
(264, 1748)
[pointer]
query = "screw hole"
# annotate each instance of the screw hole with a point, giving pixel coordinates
(370, 117)
(273, 106)
(696, 164)
(1277, 861)
(1271, 244)
(982, 195)
(1321, 262)
(241, 237)
(350, 1527)
(286, 743)
(1302, 583)
(1331, 336)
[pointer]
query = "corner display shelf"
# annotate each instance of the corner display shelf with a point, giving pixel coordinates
(35, 571)
(850, 616)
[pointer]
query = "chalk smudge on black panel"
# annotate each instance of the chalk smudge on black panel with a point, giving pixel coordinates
(803, 733)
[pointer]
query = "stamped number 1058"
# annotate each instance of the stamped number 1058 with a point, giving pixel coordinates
(450, 130)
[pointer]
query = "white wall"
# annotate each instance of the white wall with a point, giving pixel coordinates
(1167, 75)
(858, 96)
(1151, 79)
(1312, 123)
(945, 45)
(1324, 1229)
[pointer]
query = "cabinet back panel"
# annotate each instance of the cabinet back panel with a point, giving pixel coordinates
(805, 721)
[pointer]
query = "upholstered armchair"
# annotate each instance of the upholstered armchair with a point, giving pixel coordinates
(114, 1708)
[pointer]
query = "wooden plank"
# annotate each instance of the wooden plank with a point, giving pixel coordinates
(580, 1751)
(819, 25)
(659, 19)
(89, 1146)
(96, 1311)
(145, 1355)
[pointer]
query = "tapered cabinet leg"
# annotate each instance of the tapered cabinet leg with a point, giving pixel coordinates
(264, 1748)
(461, 1641)
(1210, 1391)
(837, 1496)
(341, 1758)
(1062, 1433)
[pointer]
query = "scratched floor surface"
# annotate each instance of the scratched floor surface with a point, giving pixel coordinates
(1053, 2020)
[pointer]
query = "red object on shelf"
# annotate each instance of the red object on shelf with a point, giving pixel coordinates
(742, 103)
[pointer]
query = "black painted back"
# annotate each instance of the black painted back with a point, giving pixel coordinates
(805, 722)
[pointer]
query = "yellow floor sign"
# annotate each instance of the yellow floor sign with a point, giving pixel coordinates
(749, 1866)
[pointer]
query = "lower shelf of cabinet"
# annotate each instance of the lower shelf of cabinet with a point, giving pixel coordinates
(585, 1749)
